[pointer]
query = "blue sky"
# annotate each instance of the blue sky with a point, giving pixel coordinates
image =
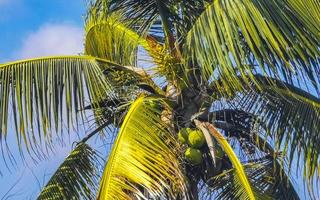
(38, 27)
(31, 28)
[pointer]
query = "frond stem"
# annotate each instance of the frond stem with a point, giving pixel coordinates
(209, 140)
(166, 26)
(97, 130)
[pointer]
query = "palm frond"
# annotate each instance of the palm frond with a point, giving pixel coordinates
(145, 16)
(235, 38)
(109, 37)
(43, 95)
(244, 190)
(308, 12)
(265, 177)
(290, 115)
(269, 178)
(142, 13)
(189, 11)
(76, 178)
(146, 149)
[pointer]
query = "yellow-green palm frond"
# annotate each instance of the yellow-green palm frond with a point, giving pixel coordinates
(146, 15)
(244, 37)
(141, 13)
(288, 114)
(244, 188)
(110, 37)
(291, 116)
(144, 159)
(124, 76)
(309, 12)
(76, 178)
(44, 95)
(266, 178)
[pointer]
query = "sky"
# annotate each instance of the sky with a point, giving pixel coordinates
(34, 28)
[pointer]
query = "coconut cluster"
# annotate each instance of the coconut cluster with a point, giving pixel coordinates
(194, 138)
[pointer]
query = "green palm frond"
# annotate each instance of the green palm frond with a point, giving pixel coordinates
(109, 37)
(226, 186)
(145, 15)
(245, 37)
(290, 116)
(190, 11)
(308, 12)
(265, 178)
(244, 188)
(45, 94)
(144, 159)
(142, 13)
(127, 83)
(76, 178)
(269, 178)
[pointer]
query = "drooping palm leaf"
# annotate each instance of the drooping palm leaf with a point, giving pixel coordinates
(146, 15)
(242, 37)
(143, 159)
(190, 11)
(308, 12)
(108, 37)
(264, 176)
(44, 94)
(290, 116)
(244, 189)
(143, 13)
(269, 178)
(76, 178)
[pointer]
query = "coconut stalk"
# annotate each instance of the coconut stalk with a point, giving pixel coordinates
(209, 140)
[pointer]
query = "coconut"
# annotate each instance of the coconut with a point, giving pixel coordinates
(188, 130)
(196, 139)
(183, 136)
(194, 156)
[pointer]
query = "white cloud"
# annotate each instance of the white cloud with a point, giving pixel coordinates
(52, 39)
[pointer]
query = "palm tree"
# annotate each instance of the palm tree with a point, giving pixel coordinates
(227, 109)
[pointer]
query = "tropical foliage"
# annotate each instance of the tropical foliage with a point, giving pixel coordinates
(242, 75)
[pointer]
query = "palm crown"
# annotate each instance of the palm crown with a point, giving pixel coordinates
(242, 74)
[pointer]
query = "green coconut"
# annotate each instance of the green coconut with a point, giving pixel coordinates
(188, 130)
(194, 156)
(183, 136)
(196, 139)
